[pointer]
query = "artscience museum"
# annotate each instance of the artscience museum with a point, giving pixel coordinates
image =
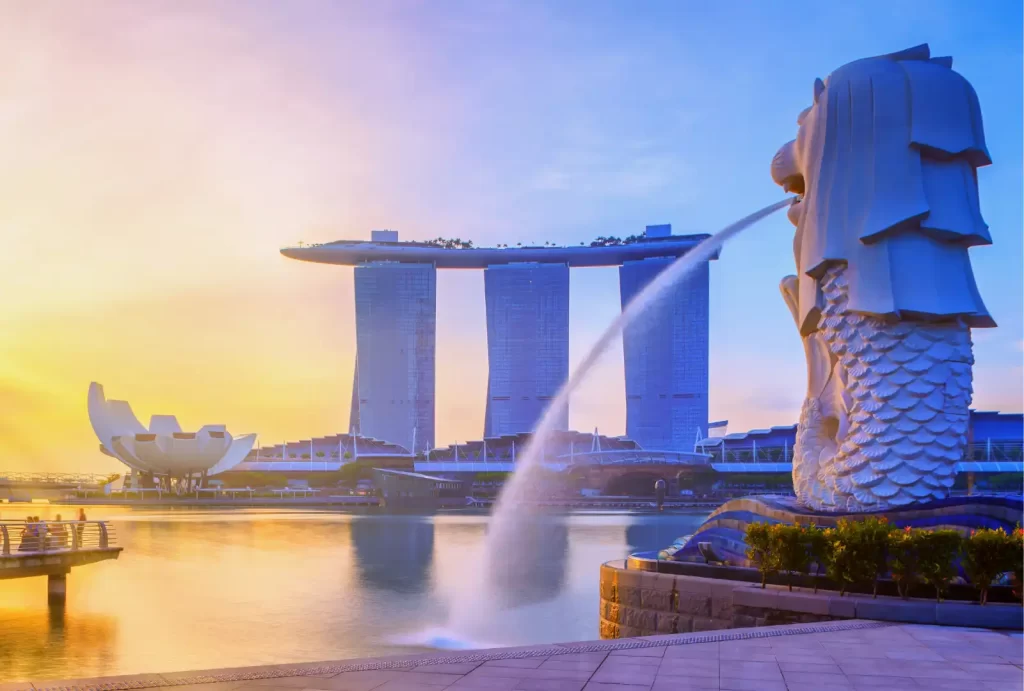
(163, 456)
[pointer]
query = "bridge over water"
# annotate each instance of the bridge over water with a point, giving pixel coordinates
(52, 549)
(24, 486)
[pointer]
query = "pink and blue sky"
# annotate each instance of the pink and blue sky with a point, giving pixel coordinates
(156, 154)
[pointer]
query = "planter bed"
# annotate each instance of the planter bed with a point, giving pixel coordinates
(644, 597)
(956, 592)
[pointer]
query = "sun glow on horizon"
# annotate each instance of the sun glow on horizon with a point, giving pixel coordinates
(157, 156)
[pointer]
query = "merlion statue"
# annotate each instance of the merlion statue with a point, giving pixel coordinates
(885, 162)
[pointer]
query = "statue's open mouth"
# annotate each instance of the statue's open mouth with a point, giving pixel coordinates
(794, 184)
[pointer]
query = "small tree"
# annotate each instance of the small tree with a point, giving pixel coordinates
(904, 559)
(1018, 560)
(818, 548)
(761, 549)
(939, 549)
(320, 454)
(987, 555)
(794, 557)
(874, 538)
(847, 562)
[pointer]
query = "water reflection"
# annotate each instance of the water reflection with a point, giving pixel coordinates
(30, 639)
(394, 552)
(537, 572)
(204, 589)
(650, 534)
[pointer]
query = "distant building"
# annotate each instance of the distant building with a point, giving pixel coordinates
(325, 454)
(393, 387)
(162, 454)
(411, 490)
(527, 344)
(527, 297)
(666, 358)
(992, 438)
(502, 453)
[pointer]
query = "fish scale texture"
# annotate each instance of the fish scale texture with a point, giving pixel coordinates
(906, 388)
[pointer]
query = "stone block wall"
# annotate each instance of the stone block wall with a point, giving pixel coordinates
(644, 603)
(647, 603)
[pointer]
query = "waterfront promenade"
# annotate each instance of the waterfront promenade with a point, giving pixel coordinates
(851, 655)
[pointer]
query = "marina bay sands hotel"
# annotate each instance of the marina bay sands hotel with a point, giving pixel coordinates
(527, 298)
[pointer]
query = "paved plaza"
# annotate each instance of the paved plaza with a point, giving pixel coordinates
(836, 655)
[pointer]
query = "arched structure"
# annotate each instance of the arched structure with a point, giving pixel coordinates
(163, 454)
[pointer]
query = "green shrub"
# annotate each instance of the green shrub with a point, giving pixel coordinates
(938, 550)
(874, 539)
(848, 559)
(1018, 561)
(762, 549)
(987, 554)
(817, 548)
(904, 559)
(791, 543)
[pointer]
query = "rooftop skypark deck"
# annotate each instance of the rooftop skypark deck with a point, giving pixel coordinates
(385, 247)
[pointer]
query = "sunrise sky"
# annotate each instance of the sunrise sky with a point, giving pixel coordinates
(156, 155)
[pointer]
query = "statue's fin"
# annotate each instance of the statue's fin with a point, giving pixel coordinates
(945, 61)
(921, 52)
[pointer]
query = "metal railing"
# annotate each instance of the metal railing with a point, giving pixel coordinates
(49, 537)
(980, 450)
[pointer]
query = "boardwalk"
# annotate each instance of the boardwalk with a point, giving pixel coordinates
(849, 655)
(52, 549)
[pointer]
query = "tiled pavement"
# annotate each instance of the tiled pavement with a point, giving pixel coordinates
(840, 655)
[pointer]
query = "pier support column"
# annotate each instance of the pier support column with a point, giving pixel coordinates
(57, 588)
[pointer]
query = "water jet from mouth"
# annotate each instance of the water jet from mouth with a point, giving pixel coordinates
(510, 543)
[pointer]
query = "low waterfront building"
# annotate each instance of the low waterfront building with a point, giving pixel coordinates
(405, 489)
(325, 454)
(993, 437)
(760, 458)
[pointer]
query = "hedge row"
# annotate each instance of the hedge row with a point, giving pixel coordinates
(864, 551)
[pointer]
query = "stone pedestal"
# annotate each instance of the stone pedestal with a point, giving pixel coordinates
(57, 588)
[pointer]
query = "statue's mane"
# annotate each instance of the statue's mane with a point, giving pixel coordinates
(891, 147)
(898, 139)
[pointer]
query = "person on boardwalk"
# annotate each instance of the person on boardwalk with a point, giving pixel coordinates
(28, 536)
(43, 538)
(59, 531)
(80, 528)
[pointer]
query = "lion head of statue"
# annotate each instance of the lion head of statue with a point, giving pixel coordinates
(885, 162)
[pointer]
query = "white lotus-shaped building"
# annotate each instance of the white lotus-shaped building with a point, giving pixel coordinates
(163, 449)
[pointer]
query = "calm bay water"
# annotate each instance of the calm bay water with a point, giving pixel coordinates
(199, 589)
